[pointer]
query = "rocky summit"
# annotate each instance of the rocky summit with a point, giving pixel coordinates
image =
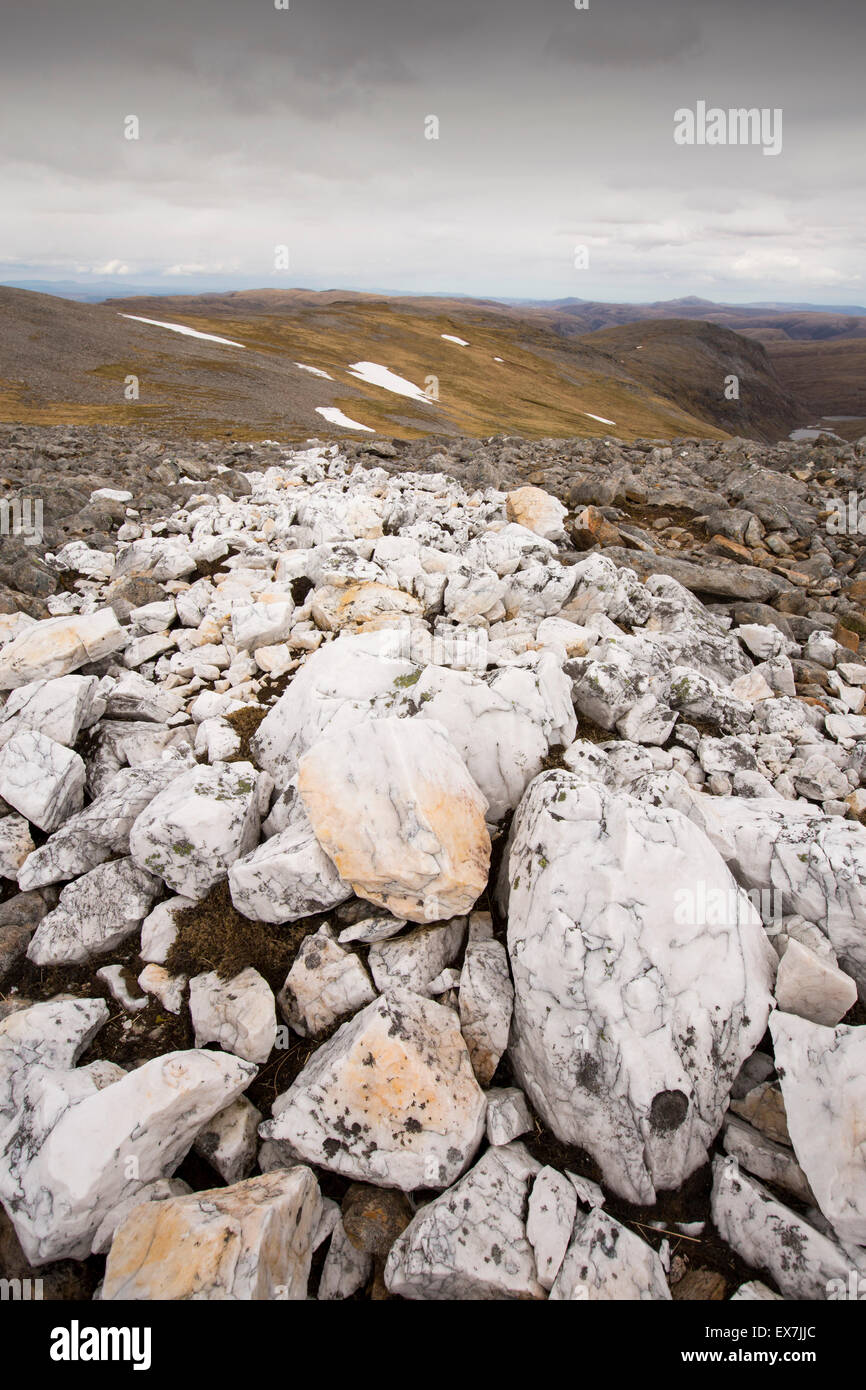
(432, 870)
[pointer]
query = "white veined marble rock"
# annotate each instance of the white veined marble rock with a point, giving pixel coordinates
(75, 1148)
(288, 876)
(249, 1242)
(811, 864)
(156, 557)
(508, 1115)
(42, 779)
(56, 646)
(392, 804)
(361, 607)
(325, 983)
(414, 960)
(812, 986)
(341, 684)
(503, 747)
(770, 1236)
(159, 929)
(389, 1099)
(59, 708)
(194, 830)
(229, 1141)
(632, 1015)
(95, 914)
(16, 843)
(823, 1075)
(605, 1261)
(51, 1035)
(167, 988)
(238, 1014)
(470, 1243)
(486, 1002)
(346, 1269)
(157, 1191)
(102, 829)
(550, 1221)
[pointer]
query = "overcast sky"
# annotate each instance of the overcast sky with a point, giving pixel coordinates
(305, 127)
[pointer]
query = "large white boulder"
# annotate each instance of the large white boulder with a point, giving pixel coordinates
(56, 646)
(392, 804)
(823, 1076)
(194, 830)
(632, 1015)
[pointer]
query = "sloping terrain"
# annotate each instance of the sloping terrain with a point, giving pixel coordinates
(282, 358)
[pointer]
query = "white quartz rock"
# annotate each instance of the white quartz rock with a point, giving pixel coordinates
(167, 988)
(156, 557)
(194, 830)
(239, 1014)
(56, 646)
(59, 708)
(16, 843)
(325, 983)
(768, 1235)
(389, 1099)
(133, 697)
(341, 684)
(378, 926)
(346, 1269)
(102, 829)
(288, 876)
(392, 804)
(538, 511)
(810, 864)
(41, 779)
(755, 1291)
(503, 747)
(51, 1035)
(628, 1033)
(252, 1241)
(95, 914)
(74, 1156)
(229, 1141)
(606, 1260)
(157, 1191)
(486, 1003)
(550, 1221)
(159, 929)
(508, 1115)
(261, 624)
(415, 959)
(812, 987)
(114, 977)
(471, 1242)
(823, 1075)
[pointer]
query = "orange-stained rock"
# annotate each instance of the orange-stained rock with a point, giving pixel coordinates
(535, 509)
(392, 804)
(361, 607)
(390, 1099)
(252, 1241)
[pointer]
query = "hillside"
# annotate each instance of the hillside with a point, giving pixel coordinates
(282, 357)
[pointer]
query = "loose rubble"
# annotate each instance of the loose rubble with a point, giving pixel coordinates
(472, 832)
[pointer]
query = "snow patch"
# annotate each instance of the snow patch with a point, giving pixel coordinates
(598, 417)
(316, 371)
(336, 417)
(182, 328)
(450, 338)
(376, 375)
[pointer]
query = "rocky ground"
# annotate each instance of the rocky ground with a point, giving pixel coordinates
(432, 870)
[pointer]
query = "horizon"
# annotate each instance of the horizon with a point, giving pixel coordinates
(476, 150)
(188, 290)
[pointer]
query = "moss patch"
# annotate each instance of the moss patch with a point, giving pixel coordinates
(213, 935)
(245, 722)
